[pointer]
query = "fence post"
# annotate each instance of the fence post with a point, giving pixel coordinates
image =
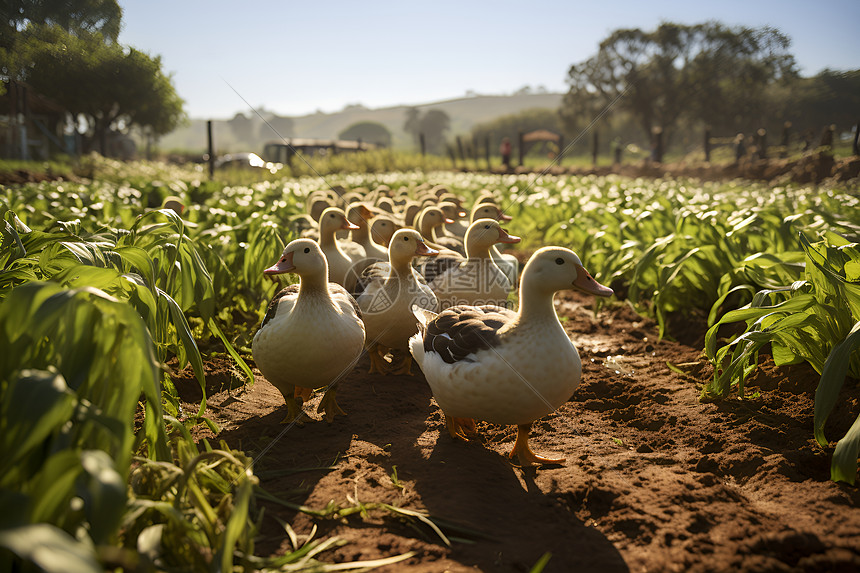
(521, 149)
(487, 152)
(657, 145)
(707, 145)
(211, 149)
(452, 156)
(422, 143)
(761, 143)
(786, 135)
(460, 150)
(560, 155)
(855, 148)
(827, 138)
(594, 142)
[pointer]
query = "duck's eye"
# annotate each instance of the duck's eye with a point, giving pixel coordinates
(405, 238)
(308, 250)
(559, 261)
(486, 226)
(332, 215)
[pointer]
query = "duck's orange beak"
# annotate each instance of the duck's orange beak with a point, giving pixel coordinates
(586, 283)
(347, 226)
(503, 217)
(284, 265)
(504, 237)
(448, 221)
(423, 250)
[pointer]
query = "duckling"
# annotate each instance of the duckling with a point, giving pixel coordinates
(506, 367)
(312, 334)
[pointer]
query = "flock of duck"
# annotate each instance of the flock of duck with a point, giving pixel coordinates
(410, 275)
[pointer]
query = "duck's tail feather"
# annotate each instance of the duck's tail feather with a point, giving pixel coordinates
(424, 317)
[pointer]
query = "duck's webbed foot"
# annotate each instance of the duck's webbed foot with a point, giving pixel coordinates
(294, 411)
(405, 368)
(378, 363)
(461, 428)
(329, 406)
(526, 456)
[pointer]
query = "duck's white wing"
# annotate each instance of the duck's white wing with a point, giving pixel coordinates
(344, 300)
(353, 250)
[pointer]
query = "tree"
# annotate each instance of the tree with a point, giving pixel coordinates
(705, 73)
(282, 126)
(412, 125)
(73, 16)
(367, 131)
(103, 86)
(433, 125)
(242, 127)
(19, 17)
(830, 97)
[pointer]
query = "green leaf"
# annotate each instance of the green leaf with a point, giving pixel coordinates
(35, 404)
(832, 378)
(103, 490)
(50, 548)
(844, 464)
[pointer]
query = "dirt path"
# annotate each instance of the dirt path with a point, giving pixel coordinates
(654, 480)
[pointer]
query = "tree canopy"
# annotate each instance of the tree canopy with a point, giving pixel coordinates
(707, 73)
(67, 51)
(103, 85)
(432, 124)
(73, 16)
(367, 131)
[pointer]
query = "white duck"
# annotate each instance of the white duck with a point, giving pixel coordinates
(508, 263)
(382, 228)
(387, 292)
(360, 215)
(428, 221)
(501, 366)
(340, 264)
(312, 334)
(476, 279)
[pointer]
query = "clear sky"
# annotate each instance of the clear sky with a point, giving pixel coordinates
(294, 58)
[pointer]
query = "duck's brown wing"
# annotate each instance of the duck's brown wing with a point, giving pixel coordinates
(376, 271)
(432, 267)
(287, 291)
(460, 331)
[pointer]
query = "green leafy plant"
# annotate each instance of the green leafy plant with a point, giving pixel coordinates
(75, 363)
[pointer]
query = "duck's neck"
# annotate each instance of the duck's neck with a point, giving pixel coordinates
(327, 238)
(536, 302)
(427, 231)
(474, 252)
(402, 268)
(314, 287)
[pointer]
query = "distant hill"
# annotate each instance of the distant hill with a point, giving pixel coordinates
(464, 113)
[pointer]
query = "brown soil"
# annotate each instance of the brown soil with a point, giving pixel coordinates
(654, 480)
